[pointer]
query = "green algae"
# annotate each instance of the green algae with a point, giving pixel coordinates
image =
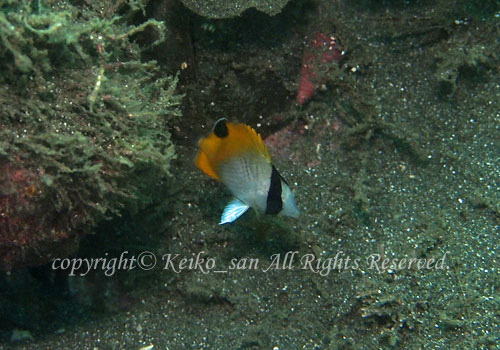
(83, 114)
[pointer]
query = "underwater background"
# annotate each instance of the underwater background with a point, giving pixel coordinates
(382, 116)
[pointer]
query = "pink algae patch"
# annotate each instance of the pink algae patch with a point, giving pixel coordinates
(306, 144)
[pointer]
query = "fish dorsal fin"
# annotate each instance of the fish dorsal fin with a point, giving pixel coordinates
(226, 141)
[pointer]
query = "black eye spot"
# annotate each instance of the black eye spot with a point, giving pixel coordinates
(220, 128)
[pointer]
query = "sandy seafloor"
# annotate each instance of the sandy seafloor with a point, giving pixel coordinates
(419, 178)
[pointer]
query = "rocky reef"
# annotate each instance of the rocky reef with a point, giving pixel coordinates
(231, 8)
(84, 115)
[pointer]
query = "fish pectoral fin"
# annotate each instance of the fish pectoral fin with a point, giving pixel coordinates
(232, 211)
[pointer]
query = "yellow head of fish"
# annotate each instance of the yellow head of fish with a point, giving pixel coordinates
(235, 155)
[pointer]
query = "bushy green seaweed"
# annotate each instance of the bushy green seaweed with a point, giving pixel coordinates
(84, 119)
(36, 31)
